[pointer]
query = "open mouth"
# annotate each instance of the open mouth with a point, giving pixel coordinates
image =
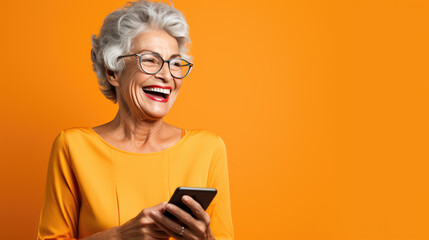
(157, 93)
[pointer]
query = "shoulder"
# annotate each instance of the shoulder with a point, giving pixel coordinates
(206, 139)
(205, 136)
(72, 134)
(78, 141)
(76, 133)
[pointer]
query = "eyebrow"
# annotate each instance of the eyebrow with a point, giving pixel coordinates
(172, 56)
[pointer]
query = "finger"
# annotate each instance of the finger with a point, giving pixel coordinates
(183, 216)
(160, 233)
(157, 230)
(160, 219)
(170, 232)
(151, 233)
(196, 208)
(160, 207)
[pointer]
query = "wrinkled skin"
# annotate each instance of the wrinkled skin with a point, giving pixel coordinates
(139, 127)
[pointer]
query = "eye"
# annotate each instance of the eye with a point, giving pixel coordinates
(148, 59)
(177, 63)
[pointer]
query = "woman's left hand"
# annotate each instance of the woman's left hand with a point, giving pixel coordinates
(196, 228)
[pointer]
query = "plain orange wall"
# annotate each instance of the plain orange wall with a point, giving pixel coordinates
(323, 106)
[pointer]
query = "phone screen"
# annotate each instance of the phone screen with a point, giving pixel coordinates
(203, 196)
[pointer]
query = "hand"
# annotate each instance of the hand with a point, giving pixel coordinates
(195, 228)
(143, 226)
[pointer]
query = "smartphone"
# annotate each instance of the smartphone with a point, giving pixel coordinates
(203, 196)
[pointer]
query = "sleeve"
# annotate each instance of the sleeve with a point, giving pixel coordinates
(59, 213)
(220, 209)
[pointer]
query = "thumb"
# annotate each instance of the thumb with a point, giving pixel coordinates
(161, 207)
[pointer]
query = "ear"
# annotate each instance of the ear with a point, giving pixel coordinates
(112, 77)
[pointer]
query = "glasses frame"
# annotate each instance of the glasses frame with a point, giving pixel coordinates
(162, 65)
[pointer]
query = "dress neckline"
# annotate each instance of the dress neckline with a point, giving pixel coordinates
(185, 135)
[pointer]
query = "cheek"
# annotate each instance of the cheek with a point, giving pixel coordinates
(127, 84)
(178, 84)
(130, 72)
(133, 79)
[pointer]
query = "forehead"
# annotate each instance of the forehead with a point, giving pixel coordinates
(155, 40)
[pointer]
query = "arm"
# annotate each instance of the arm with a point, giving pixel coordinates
(213, 224)
(59, 214)
(220, 209)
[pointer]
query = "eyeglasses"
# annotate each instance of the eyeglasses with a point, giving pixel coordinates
(152, 63)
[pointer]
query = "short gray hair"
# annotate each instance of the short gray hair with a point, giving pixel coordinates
(119, 29)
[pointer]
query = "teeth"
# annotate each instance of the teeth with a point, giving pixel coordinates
(160, 90)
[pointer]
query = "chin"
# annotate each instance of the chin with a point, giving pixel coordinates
(155, 114)
(146, 109)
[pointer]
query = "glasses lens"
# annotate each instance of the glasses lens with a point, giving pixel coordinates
(151, 63)
(179, 68)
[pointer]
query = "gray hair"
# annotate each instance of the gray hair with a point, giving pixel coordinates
(119, 29)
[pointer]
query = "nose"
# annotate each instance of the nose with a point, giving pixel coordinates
(164, 74)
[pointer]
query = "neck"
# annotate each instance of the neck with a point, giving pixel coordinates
(135, 129)
(138, 131)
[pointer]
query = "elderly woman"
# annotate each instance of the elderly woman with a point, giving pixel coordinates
(113, 181)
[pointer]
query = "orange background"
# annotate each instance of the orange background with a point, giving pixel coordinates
(323, 106)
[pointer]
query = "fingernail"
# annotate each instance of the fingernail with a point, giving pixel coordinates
(186, 198)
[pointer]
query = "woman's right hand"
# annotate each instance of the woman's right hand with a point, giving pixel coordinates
(142, 227)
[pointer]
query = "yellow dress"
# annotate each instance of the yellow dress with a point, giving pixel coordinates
(92, 186)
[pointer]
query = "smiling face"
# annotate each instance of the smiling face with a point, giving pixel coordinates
(146, 96)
